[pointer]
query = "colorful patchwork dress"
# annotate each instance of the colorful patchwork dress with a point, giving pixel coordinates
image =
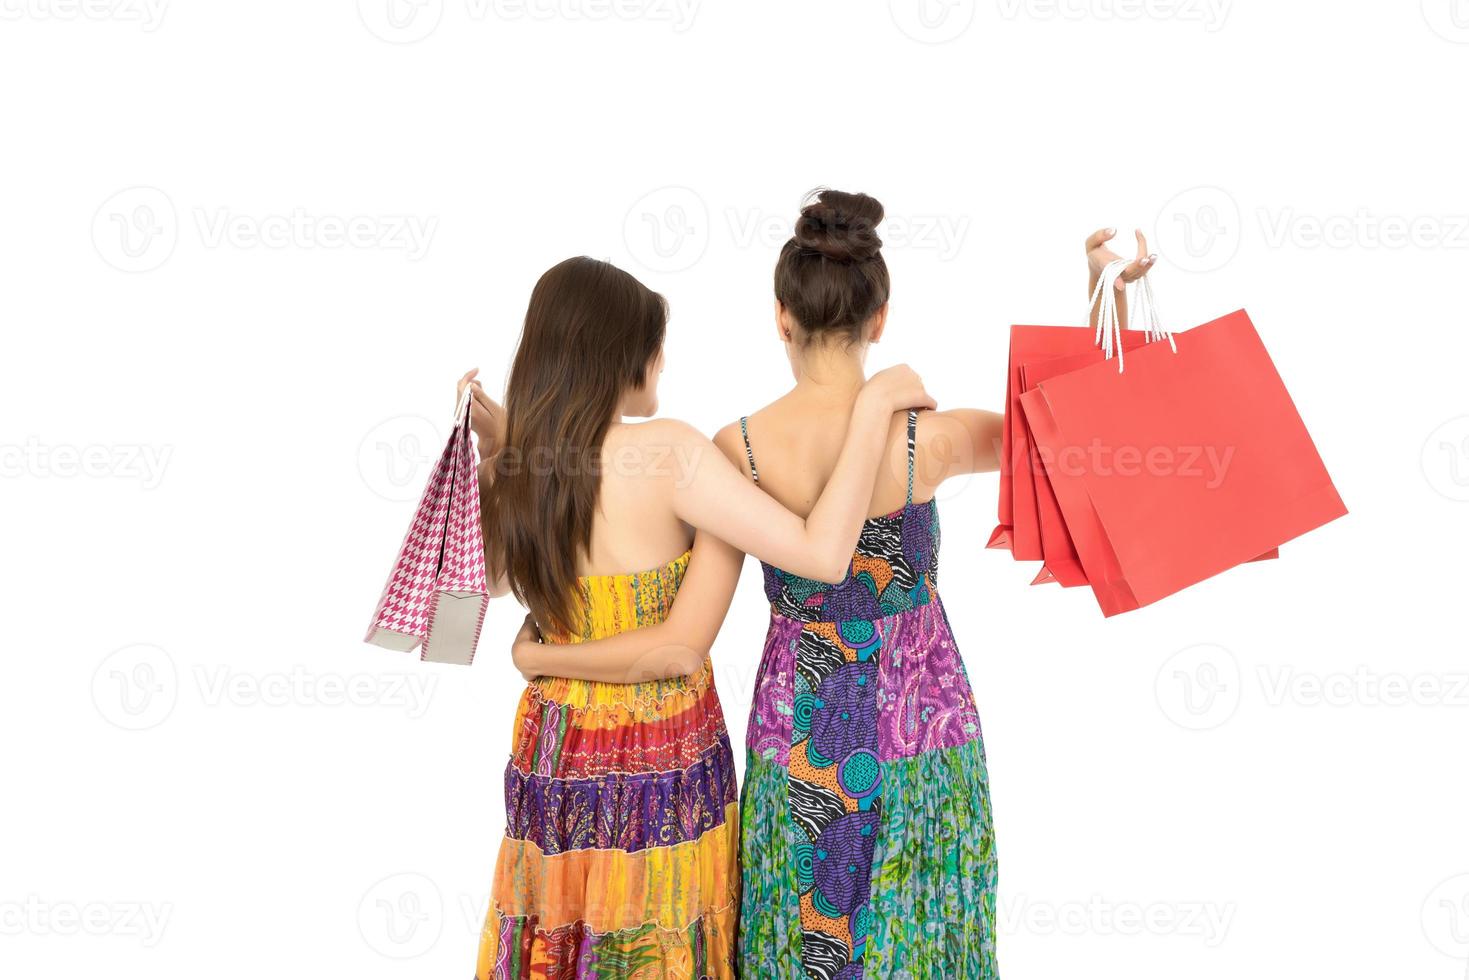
(868, 847)
(619, 858)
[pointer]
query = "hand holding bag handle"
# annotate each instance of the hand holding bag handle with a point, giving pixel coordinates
(1142, 306)
(440, 564)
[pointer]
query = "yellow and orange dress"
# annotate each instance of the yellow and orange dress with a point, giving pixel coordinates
(620, 857)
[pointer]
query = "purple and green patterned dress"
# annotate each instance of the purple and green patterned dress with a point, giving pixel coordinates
(867, 844)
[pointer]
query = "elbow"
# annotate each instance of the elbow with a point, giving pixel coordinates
(689, 664)
(681, 662)
(835, 574)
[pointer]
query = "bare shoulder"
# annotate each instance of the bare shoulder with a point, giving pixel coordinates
(662, 432)
(762, 422)
(731, 441)
(653, 452)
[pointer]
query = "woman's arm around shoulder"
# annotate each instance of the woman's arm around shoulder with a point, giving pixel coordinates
(711, 494)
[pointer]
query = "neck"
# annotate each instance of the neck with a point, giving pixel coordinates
(833, 371)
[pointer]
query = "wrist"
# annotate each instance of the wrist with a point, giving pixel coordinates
(875, 407)
(526, 656)
(872, 401)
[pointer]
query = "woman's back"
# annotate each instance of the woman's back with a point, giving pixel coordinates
(635, 526)
(798, 438)
(894, 566)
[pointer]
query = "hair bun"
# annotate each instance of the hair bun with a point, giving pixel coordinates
(840, 226)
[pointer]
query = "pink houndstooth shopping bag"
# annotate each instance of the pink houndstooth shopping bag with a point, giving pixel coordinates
(437, 593)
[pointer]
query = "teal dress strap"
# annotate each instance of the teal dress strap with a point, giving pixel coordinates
(912, 442)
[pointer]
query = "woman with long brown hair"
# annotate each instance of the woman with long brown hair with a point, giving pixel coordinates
(622, 829)
(868, 847)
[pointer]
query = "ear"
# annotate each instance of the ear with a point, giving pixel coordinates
(785, 324)
(879, 324)
(654, 368)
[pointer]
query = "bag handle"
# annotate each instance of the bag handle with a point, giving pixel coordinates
(1142, 305)
(462, 409)
(1146, 310)
(1104, 301)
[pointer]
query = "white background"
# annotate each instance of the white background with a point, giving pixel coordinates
(215, 414)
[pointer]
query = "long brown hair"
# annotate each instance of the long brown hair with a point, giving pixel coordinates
(591, 331)
(831, 275)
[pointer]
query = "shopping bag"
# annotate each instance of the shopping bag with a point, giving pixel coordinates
(437, 593)
(1190, 461)
(1018, 528)
(1062, 565)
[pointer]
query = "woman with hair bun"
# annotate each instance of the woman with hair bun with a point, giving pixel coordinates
(867, 842)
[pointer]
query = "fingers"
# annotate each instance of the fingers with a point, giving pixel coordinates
(481, 398)
(1136, 270)
(1140, 266)
(465, 379)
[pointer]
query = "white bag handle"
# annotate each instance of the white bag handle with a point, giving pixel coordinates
(1146, 310)
(1109, 331)
(462, 408)
(1142, 305)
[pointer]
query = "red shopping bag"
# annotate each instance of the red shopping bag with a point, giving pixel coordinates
(1062, 564)
(1018, 513)
(1180, 467)
(1019, 527)
(437, 593)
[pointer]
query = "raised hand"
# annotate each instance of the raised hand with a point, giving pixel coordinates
(1099, 255)
(486, 416)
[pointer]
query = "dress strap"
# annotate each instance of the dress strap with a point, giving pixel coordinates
(912, 441)
(750, 453)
